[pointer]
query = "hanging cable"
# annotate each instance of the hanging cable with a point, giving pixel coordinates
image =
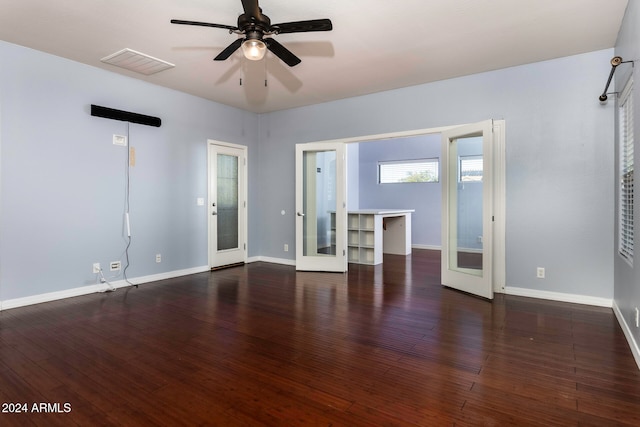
(265, 72)
(126, 209)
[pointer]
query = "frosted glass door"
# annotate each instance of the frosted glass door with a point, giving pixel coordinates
(226, 205)
(227, 212)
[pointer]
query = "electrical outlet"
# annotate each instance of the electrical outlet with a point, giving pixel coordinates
(540, 273)
(286, 247)
(115, 265)
(158, 258)
(96, 267)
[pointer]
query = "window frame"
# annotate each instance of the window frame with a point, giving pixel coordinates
(431, 160)
(469, 158)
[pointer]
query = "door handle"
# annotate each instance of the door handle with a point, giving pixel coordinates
(214, 213)
(300, 214)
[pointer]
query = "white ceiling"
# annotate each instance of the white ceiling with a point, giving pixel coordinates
(375, 45)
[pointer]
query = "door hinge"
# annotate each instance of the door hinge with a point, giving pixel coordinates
(344, 252)
(493, 218)
(245, 246)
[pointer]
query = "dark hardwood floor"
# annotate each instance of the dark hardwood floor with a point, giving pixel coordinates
(263, 344)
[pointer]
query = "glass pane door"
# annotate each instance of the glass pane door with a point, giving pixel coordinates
(227, 209)
(466, 204)
(319, 202)
(320, 211)
(227, 213)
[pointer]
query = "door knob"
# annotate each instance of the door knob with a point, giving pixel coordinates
(214, 213)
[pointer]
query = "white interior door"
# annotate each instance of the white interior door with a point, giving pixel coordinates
(321, 214)
(467, 204)
(227, 206)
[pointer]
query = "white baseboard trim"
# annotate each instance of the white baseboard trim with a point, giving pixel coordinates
(101, 287)
(558, 296)
(282, 261)
(633, 344)
(50, 296)
(428, 247)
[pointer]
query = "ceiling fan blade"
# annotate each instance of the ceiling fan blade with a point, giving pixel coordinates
(282, 52)
(203, 24)
(251, 8)
(303, 26)
(228, 50)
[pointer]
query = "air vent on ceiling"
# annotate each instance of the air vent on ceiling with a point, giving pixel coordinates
(131, 60)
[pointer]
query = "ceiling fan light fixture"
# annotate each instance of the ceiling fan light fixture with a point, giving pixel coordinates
(254, 49)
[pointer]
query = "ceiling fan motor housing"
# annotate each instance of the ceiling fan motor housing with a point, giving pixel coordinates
(254, 24)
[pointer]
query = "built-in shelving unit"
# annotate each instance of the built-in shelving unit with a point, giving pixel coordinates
(371, 232)
(364, 238)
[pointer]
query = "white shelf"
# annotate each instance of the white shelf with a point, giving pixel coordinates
(365, 234)
(368, 239)
(361, 239)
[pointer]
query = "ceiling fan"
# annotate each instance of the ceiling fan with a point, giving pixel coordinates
(254, 25)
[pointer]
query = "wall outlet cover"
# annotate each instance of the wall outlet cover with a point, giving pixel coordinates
(120, 140)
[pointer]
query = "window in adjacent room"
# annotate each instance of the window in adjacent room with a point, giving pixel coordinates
(625, 174)
(470, 169)
(421, 170)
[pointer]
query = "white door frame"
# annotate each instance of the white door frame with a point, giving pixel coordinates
(499, 196)
(243, 199)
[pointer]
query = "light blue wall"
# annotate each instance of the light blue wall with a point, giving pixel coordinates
(425, 197)
(560, 207)
(627, 278)
(62, 181)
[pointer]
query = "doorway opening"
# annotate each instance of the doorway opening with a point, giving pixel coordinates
(359, 157)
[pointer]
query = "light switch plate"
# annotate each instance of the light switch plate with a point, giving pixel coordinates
(120, 140)
(200, 201)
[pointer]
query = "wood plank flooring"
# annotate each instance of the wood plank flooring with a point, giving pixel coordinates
(263, 344)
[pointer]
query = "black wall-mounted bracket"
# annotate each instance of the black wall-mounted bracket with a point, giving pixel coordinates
(615, 61)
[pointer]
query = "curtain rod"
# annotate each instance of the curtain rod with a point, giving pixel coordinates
(615, 61)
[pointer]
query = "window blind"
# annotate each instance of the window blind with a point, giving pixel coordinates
(423, 170)
(625, 202)
(470, 168)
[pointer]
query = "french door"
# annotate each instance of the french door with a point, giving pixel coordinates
(227, 207)
(467, 208)
(321, 214)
